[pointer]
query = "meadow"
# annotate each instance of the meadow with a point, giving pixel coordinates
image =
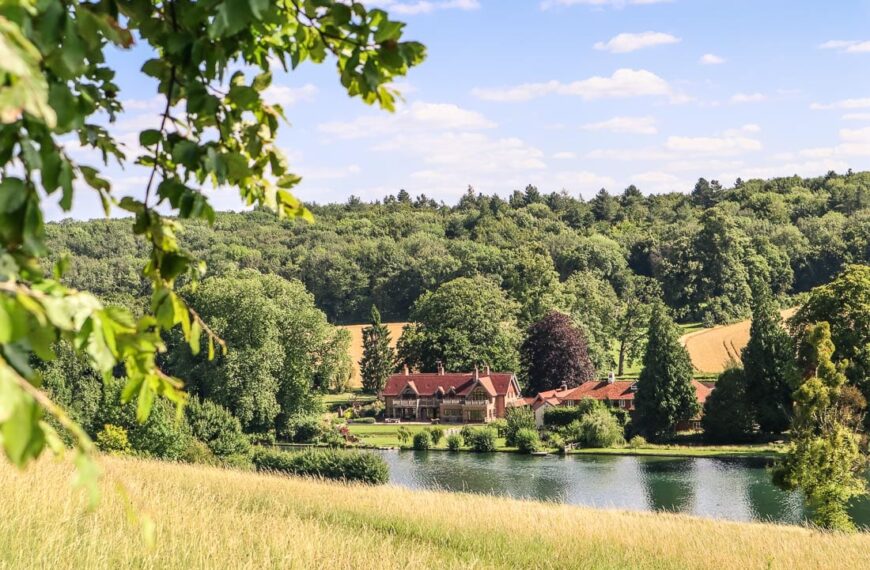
(211, 518)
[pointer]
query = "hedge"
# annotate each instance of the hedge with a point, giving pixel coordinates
(340, 464)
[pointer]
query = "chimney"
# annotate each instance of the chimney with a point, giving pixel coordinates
(405, 369)
(476, 373)
(563, 387)
(486, 370)
(440, 368)
(611, 378)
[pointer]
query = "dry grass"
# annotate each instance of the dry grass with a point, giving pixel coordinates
(209, 518)
(356, 348)
(713, 349)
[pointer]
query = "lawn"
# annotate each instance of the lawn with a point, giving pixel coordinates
(757, 450)
(206, 517)
(333, 401)
(386, 435)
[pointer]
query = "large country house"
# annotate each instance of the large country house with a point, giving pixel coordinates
(616, 393)
(454, 397)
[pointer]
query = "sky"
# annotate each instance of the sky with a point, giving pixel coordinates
(570, 95)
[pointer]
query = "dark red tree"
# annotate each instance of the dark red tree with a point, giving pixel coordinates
(555, 352)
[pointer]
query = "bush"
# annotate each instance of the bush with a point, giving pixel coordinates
(404, 434)
(557, 441)
(499, 425)
(261, 438)
(454, 442)
(481, 439)
(303, 429)
(199, 453)
(339, 464)
(600, 429)
(561, 416)
(437, 434)
(422, 440)
(527, 440)
(217, 428)
(728, 417)
(517, 419)
(113, 439)
(637, 442)
(365, 420)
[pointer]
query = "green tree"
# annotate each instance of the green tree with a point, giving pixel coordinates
(665, 395)
(516, 420)
(210, 62)
(728, 415)
(824, 459)
(464, 323)
(379, 357)
(768, 363)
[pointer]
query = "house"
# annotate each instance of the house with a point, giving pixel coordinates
(450, 397)
(616, 393)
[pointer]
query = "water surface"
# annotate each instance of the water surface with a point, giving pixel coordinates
(735, 489)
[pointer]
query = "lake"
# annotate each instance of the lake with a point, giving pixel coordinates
(735, 489)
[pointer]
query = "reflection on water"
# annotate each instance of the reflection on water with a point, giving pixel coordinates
(736, 489)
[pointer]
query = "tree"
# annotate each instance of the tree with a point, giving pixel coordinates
(466, 322)
(768, 363)
(379, 357)
(211, 63)
(844, 303)
(824, 459)
(555, 353)
(728, 416)
(516, 420)
(665, 395)
(632, 319)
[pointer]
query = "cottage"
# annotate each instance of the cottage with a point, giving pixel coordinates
(450, 397)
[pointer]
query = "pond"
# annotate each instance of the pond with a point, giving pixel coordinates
(735, 489)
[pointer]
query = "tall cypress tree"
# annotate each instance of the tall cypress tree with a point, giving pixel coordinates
(768, 363)
(379, 357)
(665, 395)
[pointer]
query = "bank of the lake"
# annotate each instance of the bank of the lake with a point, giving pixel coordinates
(206, 517)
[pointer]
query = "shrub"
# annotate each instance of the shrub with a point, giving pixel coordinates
(113, 439)
(637, 442)
(454, 442)
(437, 434)
(561, 416)
(339, 464)
(403, 434)
(499, 425)
(303, 429)
(261, 438)
(517, 419)
(600, 429)
(370, 410)
(199, 453)
(557, 441)
(422, 440)
(217, 428)
(481, 439)
(365, 420)
(527, 440)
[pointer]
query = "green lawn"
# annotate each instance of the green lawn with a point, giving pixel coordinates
(385, 435)
(333, 401)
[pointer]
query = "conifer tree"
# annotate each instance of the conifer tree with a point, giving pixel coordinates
(665, 395)
(379, 357)
(768, 363)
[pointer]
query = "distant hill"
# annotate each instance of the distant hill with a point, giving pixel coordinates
(712, 349)
(356, 346)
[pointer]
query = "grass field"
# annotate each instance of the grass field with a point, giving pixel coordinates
(211, 518)
(356, 348)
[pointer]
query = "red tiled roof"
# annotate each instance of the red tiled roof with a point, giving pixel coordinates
(427, 383)
(618, 390)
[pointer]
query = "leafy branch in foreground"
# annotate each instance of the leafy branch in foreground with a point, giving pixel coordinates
(211, 62)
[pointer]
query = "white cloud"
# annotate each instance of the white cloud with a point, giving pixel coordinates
(286, 96)
(634, 125)
(622, 84)
(564, 155)
(658, 182)
(748, 98)
(630, 154)
(732, 142)
(711, 59)
(424, 6)
(419, 116)
(727, 145)
(856, 117)
(861, 103)
(847, 46)
(626, 42)
(748, 128)
(580, 180)
(547, 4)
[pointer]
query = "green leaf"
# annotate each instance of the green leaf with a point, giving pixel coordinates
(13, 194)
(150, 137)
(194, 340)
(388, 31)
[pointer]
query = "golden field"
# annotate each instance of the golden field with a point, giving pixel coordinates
(212, 518)
(714, 348)
(356, 346)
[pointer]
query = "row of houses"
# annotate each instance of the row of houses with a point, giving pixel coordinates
(482, 396)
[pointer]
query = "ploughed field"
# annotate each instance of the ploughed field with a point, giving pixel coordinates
(714, 348)
(356, 346)
(211, 518)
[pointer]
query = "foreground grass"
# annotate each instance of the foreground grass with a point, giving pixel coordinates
(211, 518)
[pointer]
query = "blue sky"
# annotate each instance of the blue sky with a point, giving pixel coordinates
(573, 95)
